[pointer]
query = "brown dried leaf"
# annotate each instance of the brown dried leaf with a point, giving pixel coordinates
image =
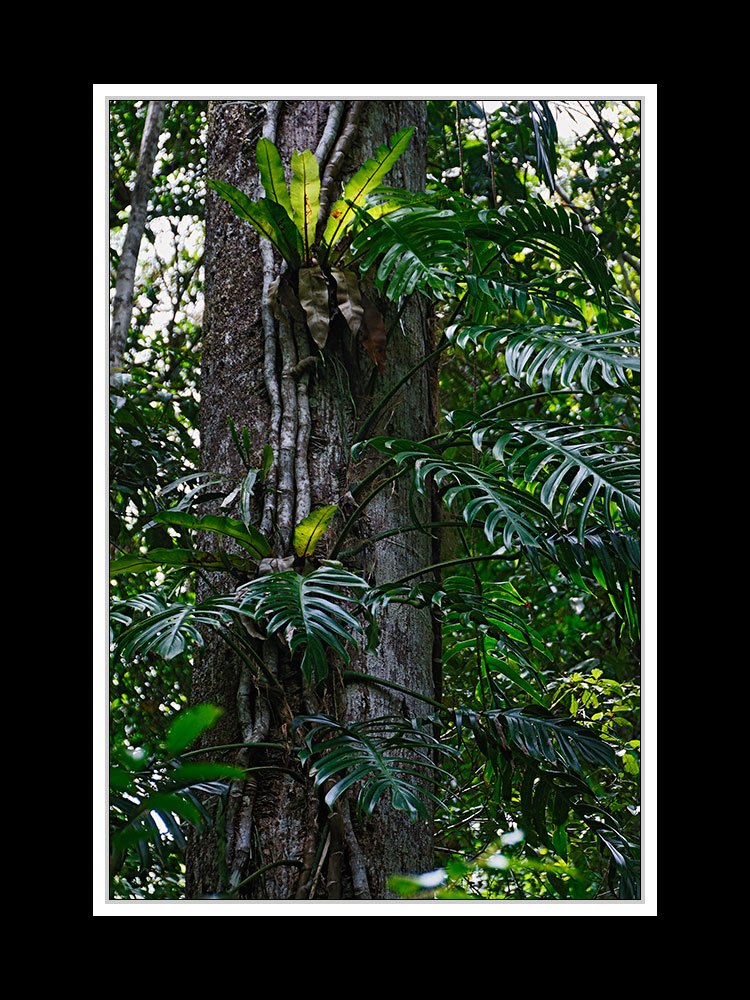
(349, 298)
(281, 294)
(313, 296)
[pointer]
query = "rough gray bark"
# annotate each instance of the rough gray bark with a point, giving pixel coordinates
(122, 308)
(275, 825)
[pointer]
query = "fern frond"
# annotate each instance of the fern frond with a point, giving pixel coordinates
(553, 753)
(559, 740)
(605, 547)
(574, 356)
(612, 558)
(487, 498)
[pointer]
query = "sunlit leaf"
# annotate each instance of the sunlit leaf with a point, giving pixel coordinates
(343, 214)
(267, 216)
(305, 197)
(308, 532)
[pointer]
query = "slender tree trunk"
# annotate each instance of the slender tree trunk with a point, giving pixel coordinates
(122, 309)
(275, 836)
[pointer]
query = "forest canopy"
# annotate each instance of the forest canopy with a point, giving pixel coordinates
(523, 249)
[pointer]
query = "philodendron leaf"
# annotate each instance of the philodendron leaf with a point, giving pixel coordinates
(313, 294)
(349, 298)
(272, 174)
(269, 218)
(305, 197)
(344, 212)
(190, 775)
(248, 537)
(308, 533)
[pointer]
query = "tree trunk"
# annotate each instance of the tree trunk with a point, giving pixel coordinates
(122, 308)
(276, 838)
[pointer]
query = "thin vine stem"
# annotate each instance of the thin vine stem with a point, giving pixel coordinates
(353, 676)
(453, 562)
(273, 864)
(225, 634)
(400, 531)
(350, 523)
(362, 432)
(235, 746)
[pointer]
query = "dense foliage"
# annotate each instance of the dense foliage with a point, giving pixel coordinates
(529, 249)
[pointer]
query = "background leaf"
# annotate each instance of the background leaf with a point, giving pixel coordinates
(188, 726)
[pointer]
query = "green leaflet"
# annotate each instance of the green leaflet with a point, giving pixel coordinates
(267, 461)
(308, 532)
(545, 133)
(344, 212)
(507, 670)
(268, 217)
(272, 174)
(248, 537)
(313, 294)
(305, 197)
(246, 492)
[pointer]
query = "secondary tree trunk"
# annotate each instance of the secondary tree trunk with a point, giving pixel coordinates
(275, 835)
(122, 308)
